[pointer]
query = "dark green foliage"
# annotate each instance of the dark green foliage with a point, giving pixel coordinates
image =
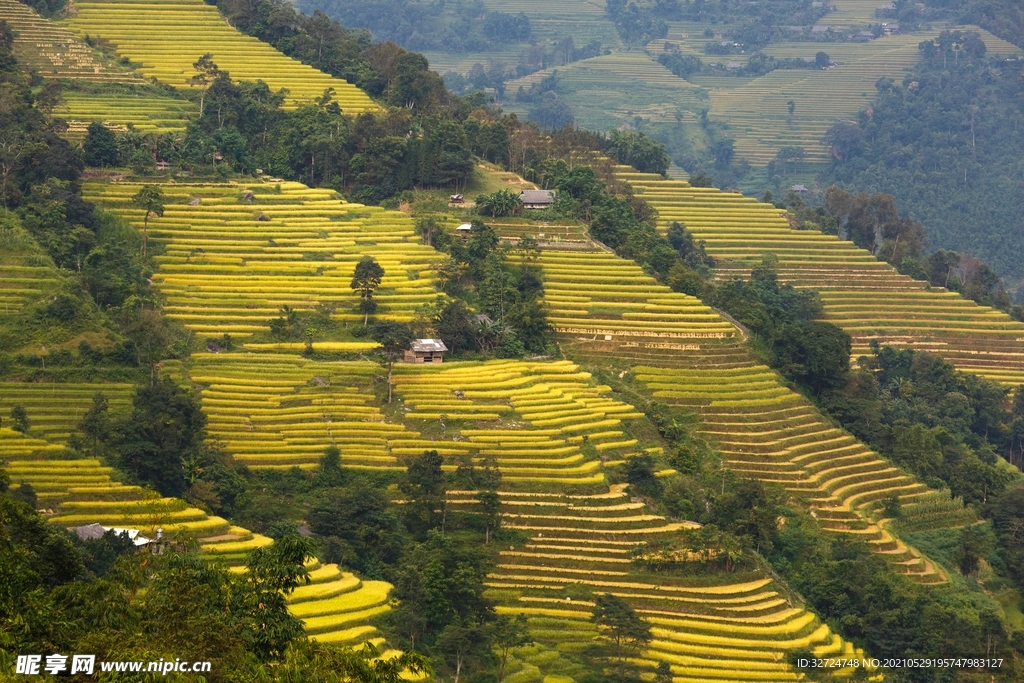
(1006, 510)
(639, 151)
(681, 65)
(636, 25)
(141, 606)
(329, 471)
(100, 554)
(947, 144)
(260, 594)
(454, 324)
(424, 487)
(26, 494)
(975, 545)
(394, 339)
(311, 662)
(365, 281)
(550, 112)
(625, 630)
(813, 354)
(641, 477)
(504, 202)
(100, 146)
(357, 528)
(940, 424)
(692, 251)
(150, 199)
(440, 585)
(166, 428)
(508, 293)
(19, 418)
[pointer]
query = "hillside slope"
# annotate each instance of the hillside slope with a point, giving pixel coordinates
(167, 38)
(863, 295)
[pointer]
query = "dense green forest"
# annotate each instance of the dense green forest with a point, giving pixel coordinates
(947, 142)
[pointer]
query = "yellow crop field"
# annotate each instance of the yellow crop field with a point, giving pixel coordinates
(55, 52)
(864, 296)
(699, 361)
(231, 263)
(166, 38)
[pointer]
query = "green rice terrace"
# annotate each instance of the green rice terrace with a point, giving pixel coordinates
(863, 295)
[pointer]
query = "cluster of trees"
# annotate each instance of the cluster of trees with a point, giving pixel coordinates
(160, 442)
(640, 25)
(873, 221)
(945, 427)
(1003, 18)
(813, 354)
(502, 281)
(637, 150)
(242, 127)
(947, 143)
(752, 24)
(101, 597)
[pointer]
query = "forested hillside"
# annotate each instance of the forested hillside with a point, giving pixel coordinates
(947, 141)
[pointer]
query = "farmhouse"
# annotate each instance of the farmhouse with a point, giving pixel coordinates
(425, 351)
(537, 199)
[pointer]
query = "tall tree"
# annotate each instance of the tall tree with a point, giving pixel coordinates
(509, 632)
(424, 487)
(100, 146)
(365, 281)
(394, 338)
(619, 624)
(206, 73)
(165, 427)
(151, 199)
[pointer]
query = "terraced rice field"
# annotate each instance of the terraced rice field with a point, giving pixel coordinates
(546, 410)
(74, 492)
(231, 264)
(610, 90)
(54, 410)
(863, 295)
(166, 38)
(26, 272)
(276, 410)
(686, 354)
(706, 629)
(757, 115)
(142, 112)
(54, 51)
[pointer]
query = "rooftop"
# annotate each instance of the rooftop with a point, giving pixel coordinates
(537, 196)
(428, 345)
